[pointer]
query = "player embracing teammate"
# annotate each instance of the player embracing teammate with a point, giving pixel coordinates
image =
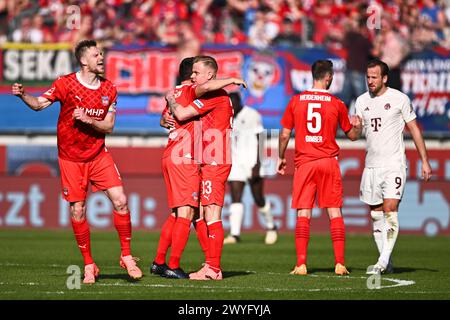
(196, 177)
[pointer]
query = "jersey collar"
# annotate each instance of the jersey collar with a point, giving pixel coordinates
(78, 75)
(319, 90)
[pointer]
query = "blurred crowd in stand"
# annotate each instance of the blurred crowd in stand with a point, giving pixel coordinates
(389, 30)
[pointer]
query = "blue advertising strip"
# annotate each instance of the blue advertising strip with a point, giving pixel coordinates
(143, 74)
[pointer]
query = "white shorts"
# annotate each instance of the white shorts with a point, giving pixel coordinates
(382, 183)
(240, 172)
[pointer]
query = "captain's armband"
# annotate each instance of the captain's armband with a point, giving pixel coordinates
(112, 107)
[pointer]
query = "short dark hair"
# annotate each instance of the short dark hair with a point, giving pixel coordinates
(321, 68)
(383, 66)
(207, 61)
(185, 69)
(82, 46)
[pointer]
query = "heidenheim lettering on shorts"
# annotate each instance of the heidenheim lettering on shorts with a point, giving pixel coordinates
(315, 97)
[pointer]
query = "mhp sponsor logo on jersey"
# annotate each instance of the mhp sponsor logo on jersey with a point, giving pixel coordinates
(198, 103)
(94, 112)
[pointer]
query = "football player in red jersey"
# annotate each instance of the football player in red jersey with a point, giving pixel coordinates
(88, 112)
(182, 176)
(315, 115)
(216, 116)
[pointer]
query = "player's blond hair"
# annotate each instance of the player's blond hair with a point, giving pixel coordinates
(208, 61)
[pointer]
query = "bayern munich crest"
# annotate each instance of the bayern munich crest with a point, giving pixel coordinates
(387, 106)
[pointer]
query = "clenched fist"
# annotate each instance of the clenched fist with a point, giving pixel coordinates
(79, 114)
(17, 89)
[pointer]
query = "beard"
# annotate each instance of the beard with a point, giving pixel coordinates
(375, 90)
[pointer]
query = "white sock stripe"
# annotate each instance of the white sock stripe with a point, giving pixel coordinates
(214, 221)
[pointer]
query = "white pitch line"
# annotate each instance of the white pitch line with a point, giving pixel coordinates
(397, 283)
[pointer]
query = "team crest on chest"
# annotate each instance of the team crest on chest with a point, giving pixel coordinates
(105, 101)
(387, 106)
(366, 109)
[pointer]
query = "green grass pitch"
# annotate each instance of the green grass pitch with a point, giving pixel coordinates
(34, 266)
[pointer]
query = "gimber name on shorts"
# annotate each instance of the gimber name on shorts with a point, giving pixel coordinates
(226, 309)
(211, 145)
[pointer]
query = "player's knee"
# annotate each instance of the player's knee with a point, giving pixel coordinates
(390, 208)
(78, 211)
(120, 203)
(236, 198)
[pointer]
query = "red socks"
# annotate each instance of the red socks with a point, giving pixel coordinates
(180, 236)
(301, 239)
(202, 235)
(122, 222)
(165, 240)
(83, 237)
(337, 230)
(215, 243)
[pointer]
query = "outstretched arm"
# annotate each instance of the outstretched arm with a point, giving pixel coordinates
(104, 126)
(285, 135)
(35, 103)
(216, 84)
(420, 146)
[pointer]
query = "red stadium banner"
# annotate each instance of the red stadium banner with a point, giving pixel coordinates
(30, 196)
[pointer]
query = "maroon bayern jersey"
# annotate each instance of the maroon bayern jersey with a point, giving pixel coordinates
(78, 141)
(216, 113)
(315, 114)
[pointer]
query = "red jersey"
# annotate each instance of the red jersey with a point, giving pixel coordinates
(216, 118)
(315, 114)
(77, 141)
(182, 137)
